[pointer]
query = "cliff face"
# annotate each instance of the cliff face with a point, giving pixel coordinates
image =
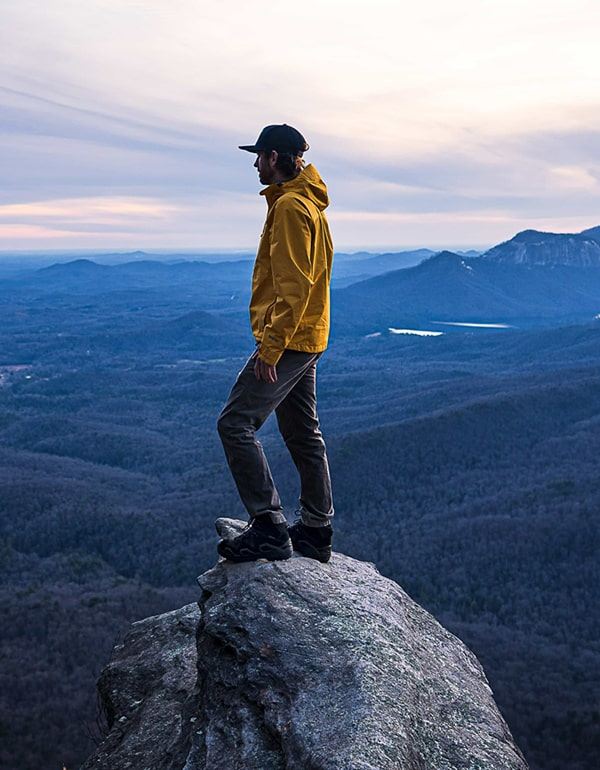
(532, 247)
(297, 665)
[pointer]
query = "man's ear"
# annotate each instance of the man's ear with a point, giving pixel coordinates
(273, 158)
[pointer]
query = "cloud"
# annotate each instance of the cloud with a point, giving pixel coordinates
(472, 115)
(577, 178)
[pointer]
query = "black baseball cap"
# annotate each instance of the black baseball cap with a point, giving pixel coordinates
(282, 138)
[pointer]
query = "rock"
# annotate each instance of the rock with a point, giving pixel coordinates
(300, 666)
(228, 528)
(145, 691)
(532, 247)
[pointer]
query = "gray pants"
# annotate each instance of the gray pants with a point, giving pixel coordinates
(293, 397)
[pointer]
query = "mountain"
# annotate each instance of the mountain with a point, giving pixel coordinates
(532, 247)
(294, 665)
(351, 268)
(490, 289)
(378, 263)
(84, 276)
(592, 232)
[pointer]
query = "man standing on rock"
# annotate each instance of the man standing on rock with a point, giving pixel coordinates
(289, 315)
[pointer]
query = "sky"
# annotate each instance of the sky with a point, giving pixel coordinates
(434, 124)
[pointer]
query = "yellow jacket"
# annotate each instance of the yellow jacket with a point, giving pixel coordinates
(289, 307)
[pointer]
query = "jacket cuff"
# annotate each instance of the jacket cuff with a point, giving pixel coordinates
(269, 356)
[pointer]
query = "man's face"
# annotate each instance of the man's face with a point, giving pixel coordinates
(265, 163)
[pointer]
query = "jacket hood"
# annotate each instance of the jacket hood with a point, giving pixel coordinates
(308, 184)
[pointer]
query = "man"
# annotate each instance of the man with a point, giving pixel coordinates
(289, 315)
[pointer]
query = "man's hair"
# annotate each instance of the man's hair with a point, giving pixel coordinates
(289, 163)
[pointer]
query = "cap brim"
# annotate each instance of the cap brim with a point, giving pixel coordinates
(248, 147)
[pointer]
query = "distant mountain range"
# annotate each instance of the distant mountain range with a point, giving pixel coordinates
(87, 275)
(349, 268)
(142, 270)
(194, 285)
(533, 278)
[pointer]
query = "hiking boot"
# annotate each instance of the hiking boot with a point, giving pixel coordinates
(262, 539)
(314, 542)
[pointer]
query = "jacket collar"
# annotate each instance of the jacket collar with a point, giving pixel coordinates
(276, 190)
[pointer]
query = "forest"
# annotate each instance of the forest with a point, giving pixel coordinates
(464, 466)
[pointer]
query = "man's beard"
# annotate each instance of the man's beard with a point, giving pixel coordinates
(266, 177)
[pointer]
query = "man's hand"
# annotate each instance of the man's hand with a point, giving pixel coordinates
(264, 371)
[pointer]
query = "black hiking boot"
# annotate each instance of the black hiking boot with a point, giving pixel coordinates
(314, 542)
(262, 539)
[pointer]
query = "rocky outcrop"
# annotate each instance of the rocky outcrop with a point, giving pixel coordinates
(297, 665)
(531, 247)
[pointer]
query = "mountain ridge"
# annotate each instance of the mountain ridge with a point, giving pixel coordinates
(535, 247)
(508, 283)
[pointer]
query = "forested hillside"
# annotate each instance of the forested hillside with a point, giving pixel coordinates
(464, 465)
